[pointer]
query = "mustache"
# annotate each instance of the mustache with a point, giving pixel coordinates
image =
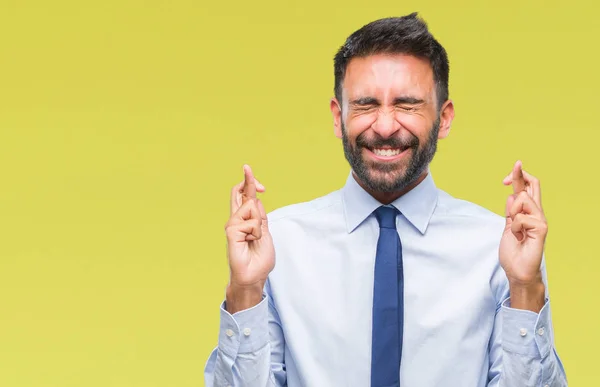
(394, 142)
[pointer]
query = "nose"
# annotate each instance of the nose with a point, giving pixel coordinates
(386, 124)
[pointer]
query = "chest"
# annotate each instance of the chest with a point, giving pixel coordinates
(323, 292)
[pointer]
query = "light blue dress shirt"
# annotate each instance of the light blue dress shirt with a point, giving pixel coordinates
(313, 326)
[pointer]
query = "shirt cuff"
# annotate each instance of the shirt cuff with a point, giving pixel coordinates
(525, 332)
(245, 331)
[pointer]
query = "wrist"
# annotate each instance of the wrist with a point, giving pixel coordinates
(242, 297)
(527, 296)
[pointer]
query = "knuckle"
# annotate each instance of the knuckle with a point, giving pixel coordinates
(256, 228)
(514, 208)
(247, 203)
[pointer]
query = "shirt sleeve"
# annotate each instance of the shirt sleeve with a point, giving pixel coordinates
(250, 349)
(522, 350)
(528, 354)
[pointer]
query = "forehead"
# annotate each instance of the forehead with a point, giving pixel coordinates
(388, 74)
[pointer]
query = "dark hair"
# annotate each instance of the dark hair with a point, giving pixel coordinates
(395, 35)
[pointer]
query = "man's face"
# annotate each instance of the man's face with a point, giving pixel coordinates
(389, 121)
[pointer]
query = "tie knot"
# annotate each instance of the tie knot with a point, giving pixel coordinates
(386, 216)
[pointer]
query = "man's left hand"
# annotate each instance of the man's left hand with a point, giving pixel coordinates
(523, 239)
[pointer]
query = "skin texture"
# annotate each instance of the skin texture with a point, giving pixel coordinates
(250, 249)
(523, 240)
(389, 102)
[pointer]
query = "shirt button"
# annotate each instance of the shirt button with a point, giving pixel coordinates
(229, 332)
(247, 332)
(523, 331)
(541, 331)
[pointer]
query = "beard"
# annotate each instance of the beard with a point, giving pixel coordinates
(391, 176)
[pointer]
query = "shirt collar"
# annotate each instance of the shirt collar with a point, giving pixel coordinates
(417, 205)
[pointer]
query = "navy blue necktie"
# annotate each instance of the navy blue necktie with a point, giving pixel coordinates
(388, 302)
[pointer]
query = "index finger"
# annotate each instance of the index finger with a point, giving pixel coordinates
(235, 200)
(535, 188)
(249, 190)
(518, 181)
(237, 193)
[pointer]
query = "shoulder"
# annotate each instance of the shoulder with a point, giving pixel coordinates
(450, 207)
(315, 208)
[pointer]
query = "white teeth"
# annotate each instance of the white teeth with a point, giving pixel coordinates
(386, 152)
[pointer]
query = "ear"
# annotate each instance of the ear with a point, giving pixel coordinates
(446, 118)
(336, 112)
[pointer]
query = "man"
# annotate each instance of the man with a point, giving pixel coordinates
(388, 281)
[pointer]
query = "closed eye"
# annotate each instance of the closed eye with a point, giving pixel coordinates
(408, 108)
(408, 103)
(364, 104)
(364, 107)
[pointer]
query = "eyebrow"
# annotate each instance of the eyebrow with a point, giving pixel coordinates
(408, 101)
(404, 100)
(364, 101)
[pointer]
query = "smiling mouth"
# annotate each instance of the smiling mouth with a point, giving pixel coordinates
(387, 151)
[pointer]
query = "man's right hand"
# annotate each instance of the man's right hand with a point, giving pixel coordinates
(250, 247)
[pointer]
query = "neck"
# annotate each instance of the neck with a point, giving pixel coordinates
(388, 197)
